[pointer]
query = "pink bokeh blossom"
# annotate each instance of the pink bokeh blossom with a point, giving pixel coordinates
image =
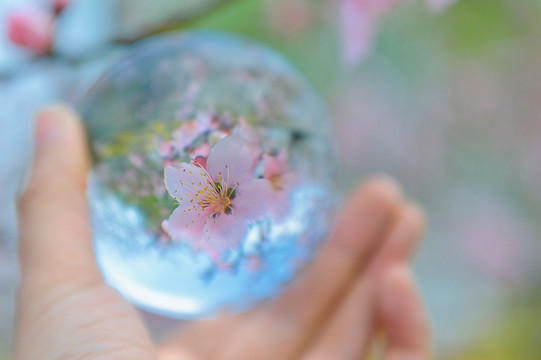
(189, 131)
(218, 202)
(31, 26)
(201, 151)
(359, 20)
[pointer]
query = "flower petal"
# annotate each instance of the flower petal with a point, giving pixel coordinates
(226, 231)
(274, 165)
(358, 28)
(183, 184)
(253, 199)
(359, 20)
(229, 161)
(184, 181)
(280, 205)
(184, 220)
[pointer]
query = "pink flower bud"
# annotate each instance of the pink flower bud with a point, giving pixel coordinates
(31, 27)
(200, 161)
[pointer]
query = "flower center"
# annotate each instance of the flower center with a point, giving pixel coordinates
(224, 199)
(216, 198)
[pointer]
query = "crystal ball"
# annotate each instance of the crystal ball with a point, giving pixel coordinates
(214, 173)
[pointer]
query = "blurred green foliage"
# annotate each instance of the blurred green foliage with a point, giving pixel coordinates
(517, 335)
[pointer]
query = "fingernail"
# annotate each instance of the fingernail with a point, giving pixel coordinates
(48, 126)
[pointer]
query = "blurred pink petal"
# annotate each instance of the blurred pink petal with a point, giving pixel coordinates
(250, 138)
(201, 151)
(32, 28)
(247, 132)
(359, 20)
(274, 165)
(165, 148)
(226, 231)
(253, 195)
(189, 131)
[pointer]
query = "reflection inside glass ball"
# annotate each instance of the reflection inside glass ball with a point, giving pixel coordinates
(214, 176)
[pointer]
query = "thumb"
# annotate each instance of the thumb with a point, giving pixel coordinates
(64, 309)
(54, 236)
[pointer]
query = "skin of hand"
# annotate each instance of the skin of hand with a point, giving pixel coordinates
(359, 286)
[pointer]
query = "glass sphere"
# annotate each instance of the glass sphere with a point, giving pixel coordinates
(214, 173)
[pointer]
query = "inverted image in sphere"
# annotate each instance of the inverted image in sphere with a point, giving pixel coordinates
(214, 173)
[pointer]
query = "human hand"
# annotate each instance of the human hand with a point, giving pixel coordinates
(356, 288)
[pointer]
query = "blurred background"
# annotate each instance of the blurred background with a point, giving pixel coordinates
(445, 96)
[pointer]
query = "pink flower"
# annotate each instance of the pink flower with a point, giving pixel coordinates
(31, 27)
(220, 201)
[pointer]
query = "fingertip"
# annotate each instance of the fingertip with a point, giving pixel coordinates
(60, 111)
(60, 147)
(415, 215)
(409, 232)
(365, 219)
(54, 121)
(382, 187)
(60, 155)
(381, 194)
(378, 198)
